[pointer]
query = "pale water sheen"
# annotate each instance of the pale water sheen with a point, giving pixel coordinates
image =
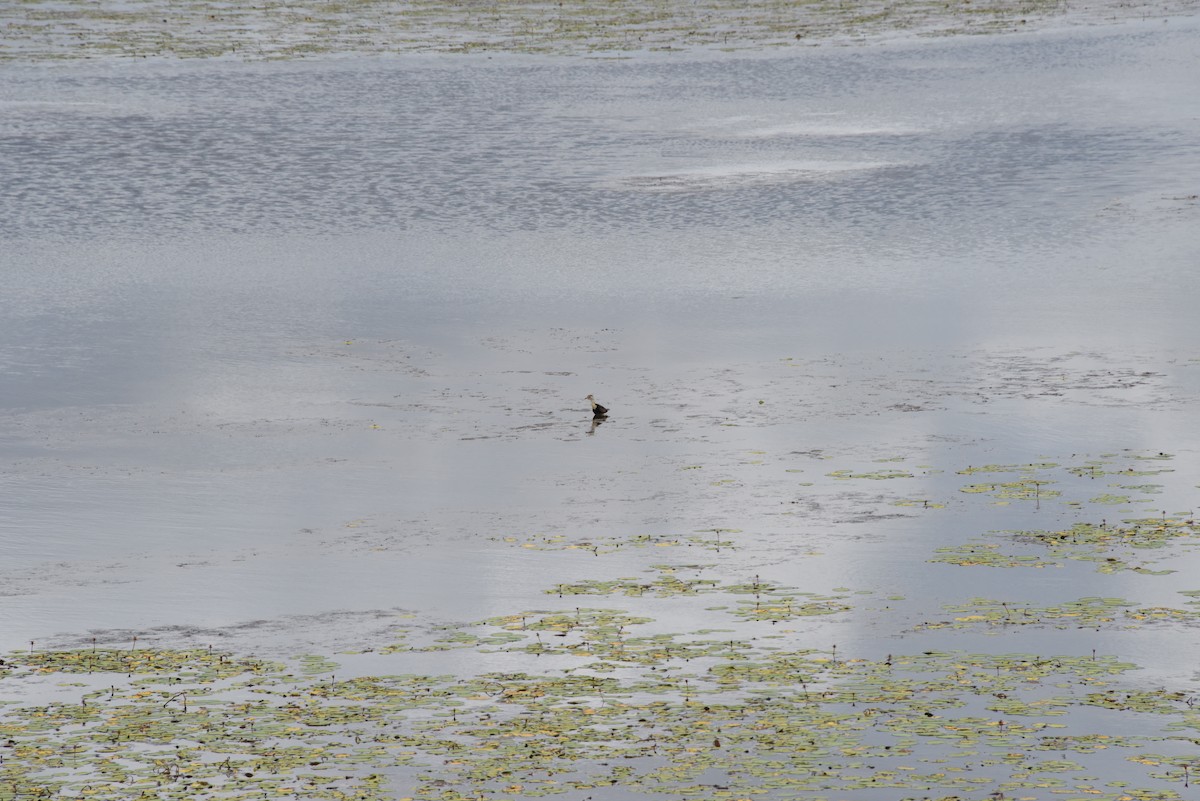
(282, 340)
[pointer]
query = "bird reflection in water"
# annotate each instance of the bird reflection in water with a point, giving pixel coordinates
(596, 421)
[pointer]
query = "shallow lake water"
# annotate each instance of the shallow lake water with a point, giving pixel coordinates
(294, 356)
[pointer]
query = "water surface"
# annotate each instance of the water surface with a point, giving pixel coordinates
(289, 349)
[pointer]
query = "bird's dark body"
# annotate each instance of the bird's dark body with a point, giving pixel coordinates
(598, 411)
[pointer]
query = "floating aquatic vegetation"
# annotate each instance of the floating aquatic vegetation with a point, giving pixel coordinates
(198, 665)
(451, 637)
(824, 721)
(779, 607)
(175, 728)
(1034, 477)
(1101, 469)
(1082, 613)
(1114, 547)
(315, 663)
(1092, 469)
(771, 603)
(661, 587)
(877, 475)
(575, 702)
(745, 722)
(1029, 489)
(1099, 542)
(602, 634)
(1007, 468)
(987, 554)
(1088, 743)
(1111, 499)
(920, 503)
(606, 545)
(1160, 702)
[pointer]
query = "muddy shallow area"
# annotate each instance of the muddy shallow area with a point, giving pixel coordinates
(895, 499)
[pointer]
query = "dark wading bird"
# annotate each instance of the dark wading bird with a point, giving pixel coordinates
(598, 411)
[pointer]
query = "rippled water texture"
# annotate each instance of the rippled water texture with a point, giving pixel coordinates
(280, 340)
